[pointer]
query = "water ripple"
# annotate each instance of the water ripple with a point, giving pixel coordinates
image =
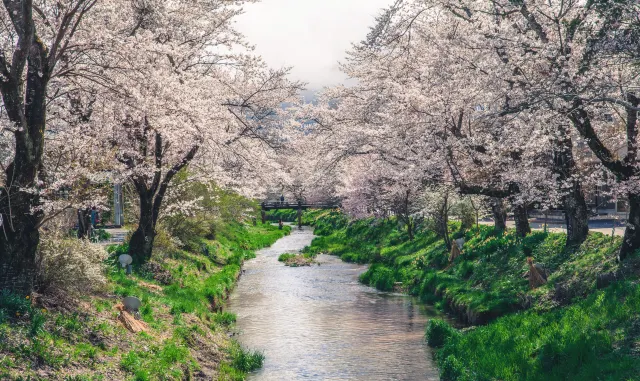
(319, 323)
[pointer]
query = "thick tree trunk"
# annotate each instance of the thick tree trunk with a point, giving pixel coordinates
(576, 215)
(521, 219)
(151, 197)
(141, 243)
(573, 202)
(410, 228)
(499, 213)
(84, 223)
(631, 241)
(19, 237)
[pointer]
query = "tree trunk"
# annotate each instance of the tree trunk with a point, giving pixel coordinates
(19, 237)
(576, 215)
(410, 228)
(84, 223)
(631, 241)
(444, 221)
(141, 243)
(499, 214)
(521, 219)
(573, 202)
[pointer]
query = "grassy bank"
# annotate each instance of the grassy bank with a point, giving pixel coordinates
(57, 337)
(556, 331)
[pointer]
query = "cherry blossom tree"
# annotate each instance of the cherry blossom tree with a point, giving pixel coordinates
(175, 87)
(36, 40)
(572, 63)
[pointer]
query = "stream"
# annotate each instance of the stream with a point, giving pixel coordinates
(320, 323)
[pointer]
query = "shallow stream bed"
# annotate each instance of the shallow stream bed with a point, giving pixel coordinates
(319, 323)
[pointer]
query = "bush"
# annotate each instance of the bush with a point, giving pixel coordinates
(286, 256)
(244, 360)
(452, 370)
(224, 318)
(187, 231)
(438, 332)
(466, 214)
(380, 277)
(70, 264)
(13, 305)
(154, 271)
(163, 241)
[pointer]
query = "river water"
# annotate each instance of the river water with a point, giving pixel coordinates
(319, 323)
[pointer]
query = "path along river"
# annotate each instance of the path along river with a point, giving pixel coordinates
(319, 323)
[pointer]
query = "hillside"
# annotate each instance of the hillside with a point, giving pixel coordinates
(186, 330)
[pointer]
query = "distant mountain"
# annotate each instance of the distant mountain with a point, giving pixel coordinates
(310, 96)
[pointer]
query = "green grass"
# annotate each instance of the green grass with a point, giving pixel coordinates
(566, 329)
(183, 317)
(595, 339)
(286, 256)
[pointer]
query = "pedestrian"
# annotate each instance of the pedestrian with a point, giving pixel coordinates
(94, 216)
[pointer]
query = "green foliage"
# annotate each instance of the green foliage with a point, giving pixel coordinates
(102, 235)
(244, 360)
(379, 276)
(593, 339)
(224, 318)
(465, 213)
(286, 256)
(286, 215)
(197, 284)
(438, 332)
(159, 362)
(13, 306)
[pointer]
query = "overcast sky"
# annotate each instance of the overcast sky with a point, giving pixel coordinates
(310, 35)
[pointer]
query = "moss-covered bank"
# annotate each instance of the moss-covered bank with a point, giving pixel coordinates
(58, 338)
(567, 329)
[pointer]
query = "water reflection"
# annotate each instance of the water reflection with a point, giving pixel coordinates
(319, 323)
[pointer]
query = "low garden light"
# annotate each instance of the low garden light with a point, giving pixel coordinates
(125, 261)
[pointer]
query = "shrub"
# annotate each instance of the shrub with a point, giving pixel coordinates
(13, 305)
(153, 270)
(224, 318)
(188, 231)
(379, 276)
(452, 370)
(73, 265)
(163, 241)
(285, 257)
(244, 360)
(438, 332)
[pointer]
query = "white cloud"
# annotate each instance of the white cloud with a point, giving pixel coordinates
(310, 35)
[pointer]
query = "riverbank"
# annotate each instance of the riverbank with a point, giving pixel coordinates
(184, 330)
(564, 328)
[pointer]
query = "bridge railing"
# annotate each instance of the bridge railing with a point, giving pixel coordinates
(297, 205)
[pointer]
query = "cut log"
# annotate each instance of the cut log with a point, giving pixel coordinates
(130, 322)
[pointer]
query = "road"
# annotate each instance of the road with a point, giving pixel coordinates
(603, 227)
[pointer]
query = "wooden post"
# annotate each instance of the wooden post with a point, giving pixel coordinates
(300, 214)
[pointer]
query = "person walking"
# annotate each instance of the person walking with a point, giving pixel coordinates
(94, 216)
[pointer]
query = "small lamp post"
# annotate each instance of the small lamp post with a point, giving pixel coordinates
(132, 305)
(125, 261)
